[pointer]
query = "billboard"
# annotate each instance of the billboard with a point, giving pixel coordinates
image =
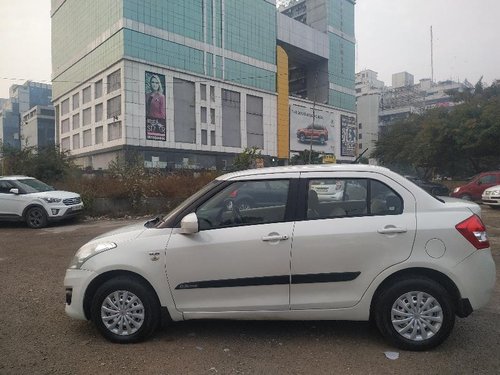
(156, 118)
(348, 135)
(304, 132)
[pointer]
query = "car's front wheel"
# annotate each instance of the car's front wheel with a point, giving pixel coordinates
(125, 310)
(415, 314)
(36, 217)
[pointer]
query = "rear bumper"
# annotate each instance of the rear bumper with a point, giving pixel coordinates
(477, 276)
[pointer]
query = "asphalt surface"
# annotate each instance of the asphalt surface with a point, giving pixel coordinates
(36, 336)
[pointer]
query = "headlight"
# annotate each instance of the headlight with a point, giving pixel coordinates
(456, 189)
(88, 251)
(51, 200)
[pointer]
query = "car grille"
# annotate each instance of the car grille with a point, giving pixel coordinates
(72, 201)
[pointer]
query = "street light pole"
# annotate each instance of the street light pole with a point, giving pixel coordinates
(314, 116)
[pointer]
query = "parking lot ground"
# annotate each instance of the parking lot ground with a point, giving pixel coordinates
(36, 337)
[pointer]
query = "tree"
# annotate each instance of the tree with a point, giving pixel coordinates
(303, 158)
(247, 159)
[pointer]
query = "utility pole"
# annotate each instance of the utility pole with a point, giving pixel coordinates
(432, 58)
(314, 115)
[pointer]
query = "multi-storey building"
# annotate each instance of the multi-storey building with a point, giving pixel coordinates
(21, 99)
(38, 127)
(379, 106)
(191, 83)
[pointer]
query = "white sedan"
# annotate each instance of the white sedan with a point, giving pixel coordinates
(491, 196)
(390, 252)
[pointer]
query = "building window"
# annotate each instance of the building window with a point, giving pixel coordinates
(76, 121)
(204, 137)
(76, 101)
(87, 138)
(203, 92)
(203, 115)
(212, 93)
(87, 116)
(65, 144)
(86, 95)
(65, 107)
(360, 146)
(212, 116)
(360, 125)
(98, 112)
(212, 137)
(114, 107)
(76, 141)
(114, 81)
(360, 136)
(114, 130)
(99, 135)
(65, 125)
(98, 89)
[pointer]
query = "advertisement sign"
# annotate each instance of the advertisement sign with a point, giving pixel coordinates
(348, 135)
(305, 132)
(156, 118)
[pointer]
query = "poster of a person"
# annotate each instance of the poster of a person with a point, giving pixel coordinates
(155, 107)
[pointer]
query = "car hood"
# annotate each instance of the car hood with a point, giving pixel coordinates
(496, 187)
(54, 194)
(456, 202)
(123, 234)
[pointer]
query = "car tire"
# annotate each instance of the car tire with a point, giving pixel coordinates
(125, 310)
(36, 217)
(415, 314)
(302, 137)
(466, 197)
(322, 139)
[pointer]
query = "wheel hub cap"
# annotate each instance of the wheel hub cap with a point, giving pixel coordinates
(122, 312)
(416, 316)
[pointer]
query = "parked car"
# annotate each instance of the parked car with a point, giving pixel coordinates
(475, 187)
(318, 133)
(359, 258)
(432, 187)
(491, 196)
(27, 199)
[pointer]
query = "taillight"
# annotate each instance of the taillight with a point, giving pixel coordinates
(474, 230)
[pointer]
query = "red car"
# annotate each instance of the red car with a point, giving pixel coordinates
(475, 187)
(317, 133)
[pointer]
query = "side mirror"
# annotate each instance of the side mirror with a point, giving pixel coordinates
(14, 191)
(189, 224)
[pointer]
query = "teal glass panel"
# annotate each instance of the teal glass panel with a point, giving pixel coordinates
(210, 64)
(250, 29)
(163, 52)
(342, 100)
(183, 17)
(249, 75)
(341, 15)
(218, 67)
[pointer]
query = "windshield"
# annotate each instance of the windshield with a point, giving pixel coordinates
(32, 185)
(189, 201)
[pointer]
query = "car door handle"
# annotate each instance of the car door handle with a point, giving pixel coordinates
(392, 230)
(275, 237)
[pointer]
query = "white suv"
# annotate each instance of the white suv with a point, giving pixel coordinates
(27, 199)
(392, 253)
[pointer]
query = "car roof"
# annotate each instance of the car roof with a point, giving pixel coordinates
(15, 177)
(306, 168)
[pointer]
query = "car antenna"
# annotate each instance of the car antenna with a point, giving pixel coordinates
(359, 157)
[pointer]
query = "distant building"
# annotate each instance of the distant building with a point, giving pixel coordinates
(21, 99)
(38, 127)
(379, 106)
(190, 84)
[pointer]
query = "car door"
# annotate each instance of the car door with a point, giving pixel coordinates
(10, 203)
(239, 260)
(339, 247)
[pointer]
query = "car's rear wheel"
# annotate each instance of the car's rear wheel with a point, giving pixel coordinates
(125, 310)
(36, 217)
(415, 314)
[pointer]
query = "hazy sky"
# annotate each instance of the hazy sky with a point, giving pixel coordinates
(392, 36)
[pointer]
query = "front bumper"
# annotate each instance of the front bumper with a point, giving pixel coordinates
(60, 212)
(76, 283)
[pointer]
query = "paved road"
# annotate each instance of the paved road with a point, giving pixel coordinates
(36, 337)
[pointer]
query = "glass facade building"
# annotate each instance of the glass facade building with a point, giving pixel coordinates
(210, 65)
